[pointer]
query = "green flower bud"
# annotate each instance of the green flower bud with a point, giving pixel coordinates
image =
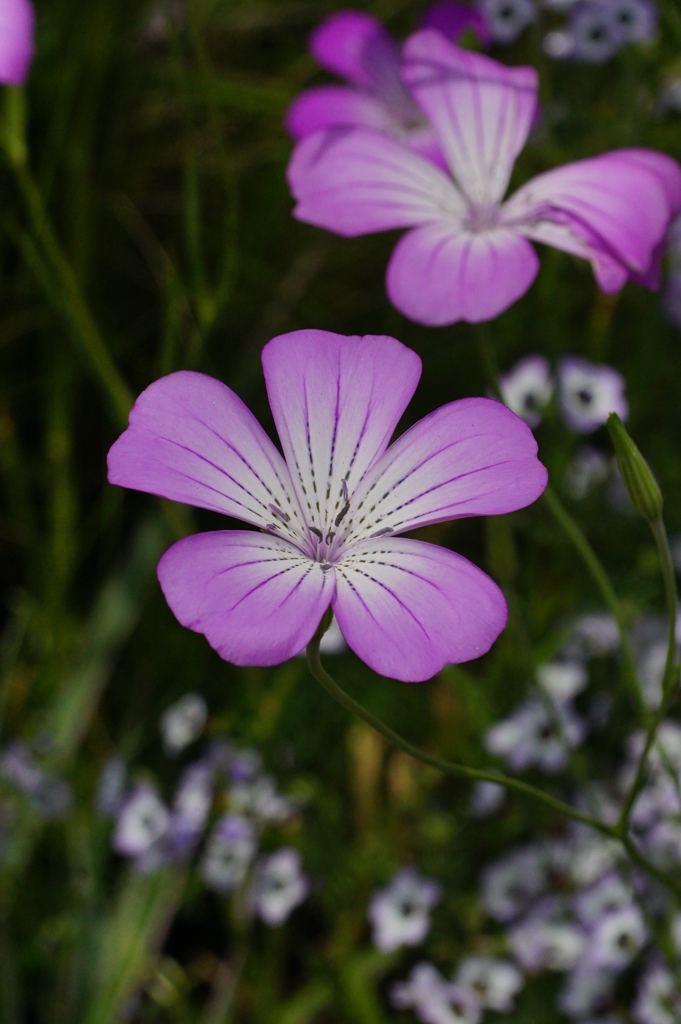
(642, 487)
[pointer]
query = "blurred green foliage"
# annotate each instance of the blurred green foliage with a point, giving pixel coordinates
(146, 227)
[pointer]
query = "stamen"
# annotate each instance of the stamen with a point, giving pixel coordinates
(317, 533)
(342, 514)
(344, 489)
(271, 526)
(383, 532)
(278, 512)
(329, 537)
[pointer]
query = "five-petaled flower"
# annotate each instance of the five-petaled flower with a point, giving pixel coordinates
(468, 255)
(329, 515)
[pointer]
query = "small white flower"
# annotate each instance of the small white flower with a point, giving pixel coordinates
(652, 662)
(492, 981)
(558, 44)
(192, 803)
(143, 821)
(657, 999)
(400, 912)
(506, 19)
(279, 886)
(434, 1000)
(608, 895)
(228, 853)
(261, 799)
(183, 722)
(635, 20)
(617, 938)
(534, 735)
(592, 858)
(588, 393)
(587, 989)
(598, 632)
(527, 388)
(510, 885)
(545, 944)
(562, 680)
(486, 798)
(595, 34)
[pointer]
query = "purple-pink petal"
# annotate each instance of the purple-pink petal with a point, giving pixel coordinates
(354, 45)
(333, 106)
(256, 598)
(452, 19)
(480, 110)
(664, 167)
(17, 26)
(355, 182)
(438, 274)
(618, 205)
(191, 439)
(561, 232)
(472, 457)
(336, 402)
(408, 608)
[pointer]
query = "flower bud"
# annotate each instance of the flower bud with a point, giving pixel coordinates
(641, 485)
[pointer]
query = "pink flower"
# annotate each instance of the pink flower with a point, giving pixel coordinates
(331, 512)
(468, 254)
(16, 40)
(355, 46)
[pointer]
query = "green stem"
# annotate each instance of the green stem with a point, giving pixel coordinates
(670, 670)
(671, 600)
(480, 775)
(605, 587)
(449, 767)
(83, 325)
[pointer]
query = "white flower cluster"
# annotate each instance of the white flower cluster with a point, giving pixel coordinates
(152, 833)
(593, 30)
(587, 392)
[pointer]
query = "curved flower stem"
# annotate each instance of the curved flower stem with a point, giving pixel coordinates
(449, 767)
(607, 591)
(479, 774)
(73, 304)
(671, 672)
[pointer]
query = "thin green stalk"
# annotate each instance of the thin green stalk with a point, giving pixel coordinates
(671, 600)
(605, 587)
(670, 677)
(480, 775)
(84, 328)
(449, 767)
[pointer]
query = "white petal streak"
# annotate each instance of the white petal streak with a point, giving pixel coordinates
(357, 181)
(191, 439)
(336, 402)
(471, 457)
(482, 111)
